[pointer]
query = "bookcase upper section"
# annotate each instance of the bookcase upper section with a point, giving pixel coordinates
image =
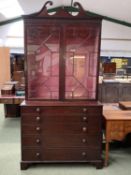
(62, 52)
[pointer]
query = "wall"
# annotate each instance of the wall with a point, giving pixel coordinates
(116, 40)
(11, 35)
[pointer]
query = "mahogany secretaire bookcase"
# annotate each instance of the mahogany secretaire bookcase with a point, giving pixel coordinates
(61, 117)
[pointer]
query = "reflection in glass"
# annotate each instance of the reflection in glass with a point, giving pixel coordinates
(81, 62)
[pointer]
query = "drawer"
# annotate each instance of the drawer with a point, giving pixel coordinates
(82, 140)
(116, 135)
(55, 110)
(60, 111)
(66, 111)
(32, 141)
(32, 154)
(6, 101)
(34, 118)
(47, 118)
(72, 110)
(60, 154)
(28, 109)
(60, 128)
(116, 126)
(61, 141)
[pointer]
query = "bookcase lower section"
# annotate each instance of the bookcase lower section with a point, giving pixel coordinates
(61, 133)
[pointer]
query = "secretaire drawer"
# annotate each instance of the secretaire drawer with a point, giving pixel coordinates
(58, 110)
(67, 111)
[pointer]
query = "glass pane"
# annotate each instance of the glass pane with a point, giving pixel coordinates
(81, 61)
(43, 62)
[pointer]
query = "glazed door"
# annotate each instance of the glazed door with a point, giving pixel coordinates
(43, 47)
(81, 55)
(62, 60)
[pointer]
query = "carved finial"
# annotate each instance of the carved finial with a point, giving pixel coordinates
(79, 5)
(48, 2)
(44, 9)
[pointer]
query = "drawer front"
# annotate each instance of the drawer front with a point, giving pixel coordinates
(66, 111)
(47, 118)
(47, 115)
(60, 154)
(60, 128)
(30, 109)
(59, 110)
(116, 126)
(55, 118)
(117, 135)
(6, 101)
(61, 141)
(115, 130)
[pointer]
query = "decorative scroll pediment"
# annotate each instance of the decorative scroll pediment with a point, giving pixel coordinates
(62, 12)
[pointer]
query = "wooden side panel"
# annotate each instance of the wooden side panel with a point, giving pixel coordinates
(4, 65)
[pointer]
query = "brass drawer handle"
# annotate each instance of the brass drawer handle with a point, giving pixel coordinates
(37, 118)
(84, 140)
(38, 109)
(83, 153)
(37, 128)
(37, 140)
(84, 109)
(84, 129)
(84, 118)
(37, 154)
